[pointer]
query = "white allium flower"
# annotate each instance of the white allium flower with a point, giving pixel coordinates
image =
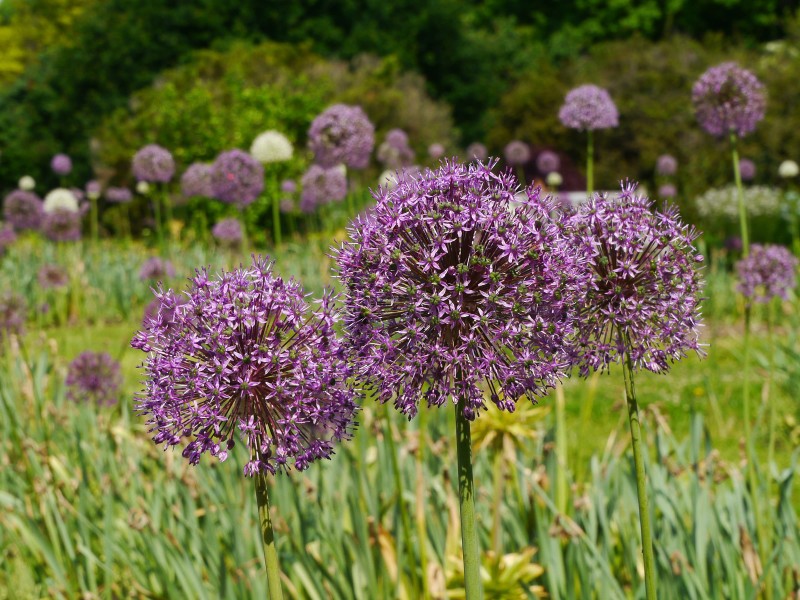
(27, 183)
(342, 168)
(723, 202)
(60, 199)
(787, 169)
(388, 179)
(143, 188)
(271, 146)
(554, 179)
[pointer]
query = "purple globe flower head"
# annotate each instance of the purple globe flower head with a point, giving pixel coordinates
(119, 195)
(237, 178)
(157, 269)
(477, 151)
(61, 164)
(23, 210)
(52, 277)
(517, 153)
(196, 181)
(93, 189)
(321, 186)
(7, 236)
(153, 164)
(588, 107)
(288, 186)
(747, 169)
(644, 297)
(94, 377)
(454, 285)
(733, 243)
(287, 205)
(342, 134)
(768, 272)
(667, 191)
(13, 314)
(62, 225)
(228, 232)
(271, 372)
(436, 151)
(666, 165)
(547, 162)
(728, 99)
(395, 152)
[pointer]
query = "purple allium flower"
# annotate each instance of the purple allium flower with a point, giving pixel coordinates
(62, 225)
(196, 181)
(228, 232)
(477, 151)
(454, 286)
(768, 272)
(321, 186)
(93, 189)
(52, 277)
(342, 134)
(288, 186)
(161, 311)
(588, 107)
(247, 358)
(728, 98)
(153, 164)
(666, 165)
(61, 164)
(13, 314)
(156, 268)
(436, 151)
(645, 294)
(7, 236)
(395, 152)
(94, 377)
(517, 153)
(733, 243)
(547, 162)
(667, 191)
(237, 178)
(119, 195)
(23, 210)
(287, 205)
(747, 169)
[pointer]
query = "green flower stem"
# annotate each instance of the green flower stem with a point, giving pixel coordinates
(770, 373)
(159, 226)
(740, 192)
(167, 213)
(276, 216)
(641, 482)
(422, 528)
(268, 539)
(245, 238)
(589, 162)
(466, 501)
(561, 450)
(95, 219)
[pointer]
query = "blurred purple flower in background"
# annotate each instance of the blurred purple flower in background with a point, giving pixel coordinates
(23, 210)
(93, 189)
(7, 236)
(153, 164)
(666, 165)
(728, 98)
(517, 153)
(62, 225)
(94, 377)
(667, 191)
(547, 161)
(321, 186)
(156, 268)
(288, 186)
(477, 151)
(747, 169)
(52, 277)
(228, 232)
(436, 151)
(237, 178)
(342, 134)
(119, 195)
(13, 314)
(769, 272)
(196, 181)
(588, 107)
(395, 151)
(61, 164)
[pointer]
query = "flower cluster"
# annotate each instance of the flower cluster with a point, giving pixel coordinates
(119, 195)
(245, 358)
(588, 107)
(768, 272)
(237, 178)
(395, 151)
(196, 181)
(157, 269)
(723, 202)
(62, 225)
(455, 284)
(23, 210)
(94, 377)
(342, 134)
(153, 164)
(271, 146)
(13, 314)
(517, 153)
(643, 300)
(61, 164)
(228, 232)
(52, 277)
(547, 162)
(666, 165)
(728, 98)
(321, 186)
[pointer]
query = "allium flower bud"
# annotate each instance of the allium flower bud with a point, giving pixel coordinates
(93, 190)
(153, 164)
(321, 186)
(94, 377)
(477, 151)
(666, 165)
(52, 277)
(228, 232)
(119, 195)
(23, 210)
(271, 146)
(246, 360)
(646, 286)
(26, 183)
(13, 314)
(747, 169)
(62, 225)
(342, 134)
(237, 178)
(157, 269)
(517, 153)
(788, 169)
(196, 181)
(60, 199)
(288, 186)
(61, 164)
(454, 286)
(588, 107)
(547, 162)
(728, 98)
(768, 272)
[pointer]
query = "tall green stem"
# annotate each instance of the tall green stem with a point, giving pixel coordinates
(740, 192)
(268, 539)
(466, 502)
(95, 219)
(641, 483)
(167, 213)
(561, 450)
(159, 226)
(276, 216)
(422, 528)
(589, 163)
